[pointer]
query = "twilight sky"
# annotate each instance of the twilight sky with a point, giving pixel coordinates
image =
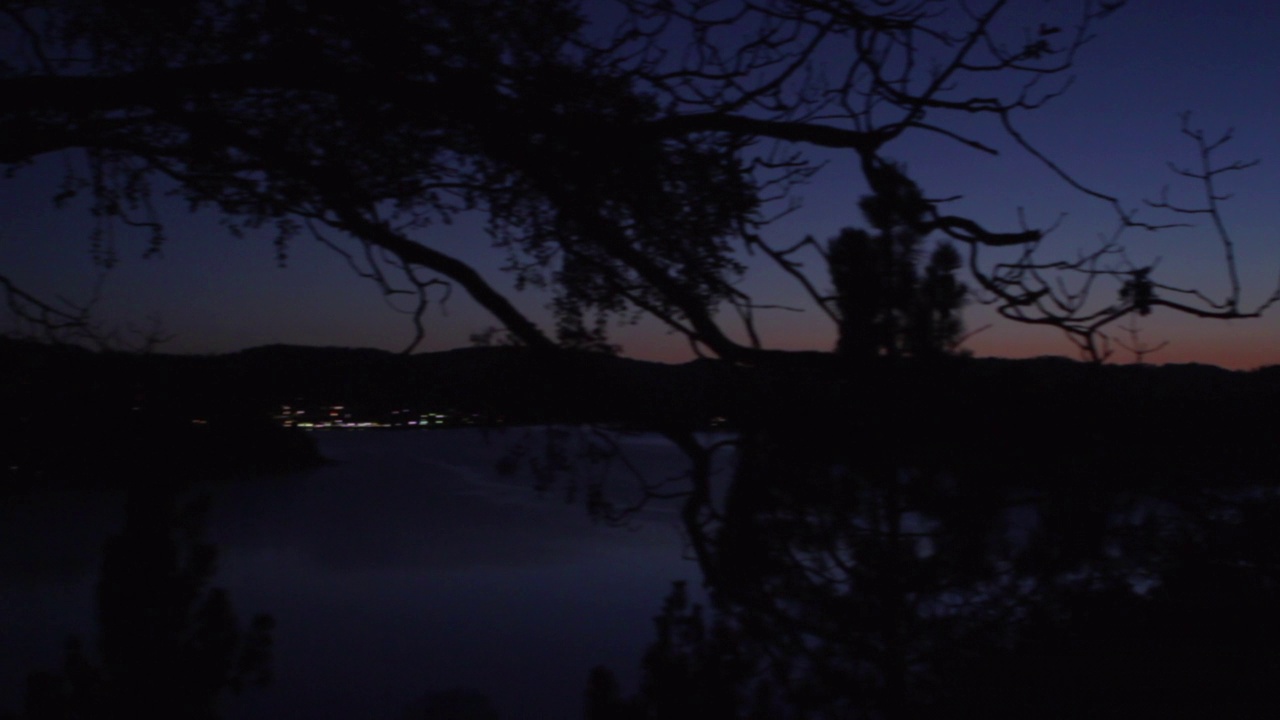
(1116, 129)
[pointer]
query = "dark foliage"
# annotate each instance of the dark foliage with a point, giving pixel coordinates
(885, 306)
(625, 158)
(168, 644)
(854, 577)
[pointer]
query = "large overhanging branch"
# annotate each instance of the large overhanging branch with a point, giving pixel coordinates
(896, 67)
(1025, 291)
(412, 253)
(330, 189)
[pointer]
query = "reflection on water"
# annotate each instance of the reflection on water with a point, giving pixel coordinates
(406, 568)
(167, 643)
(837, 575)
(863, 581)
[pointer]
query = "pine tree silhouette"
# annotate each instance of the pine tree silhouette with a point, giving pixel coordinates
(887, 307)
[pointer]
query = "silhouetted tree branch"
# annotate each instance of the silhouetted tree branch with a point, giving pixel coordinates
(65, 321)
(623, 169)
(1068, 294)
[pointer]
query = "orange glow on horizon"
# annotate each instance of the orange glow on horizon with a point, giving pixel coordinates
(1233, 347)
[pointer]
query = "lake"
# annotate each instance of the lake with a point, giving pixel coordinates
(408, 566)
(848, 581)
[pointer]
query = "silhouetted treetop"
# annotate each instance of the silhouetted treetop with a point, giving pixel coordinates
(167, 642)
(626, 155)
(885, 306)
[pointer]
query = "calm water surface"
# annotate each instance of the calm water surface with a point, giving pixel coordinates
(408, 566)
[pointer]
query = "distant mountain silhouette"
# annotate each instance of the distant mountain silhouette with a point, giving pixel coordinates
(1184, 420)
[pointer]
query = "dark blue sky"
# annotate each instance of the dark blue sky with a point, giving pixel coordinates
(1115, 129)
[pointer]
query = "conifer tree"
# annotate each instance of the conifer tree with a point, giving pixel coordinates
(885, 305)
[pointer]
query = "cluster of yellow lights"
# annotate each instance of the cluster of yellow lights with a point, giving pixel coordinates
(334, 416)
